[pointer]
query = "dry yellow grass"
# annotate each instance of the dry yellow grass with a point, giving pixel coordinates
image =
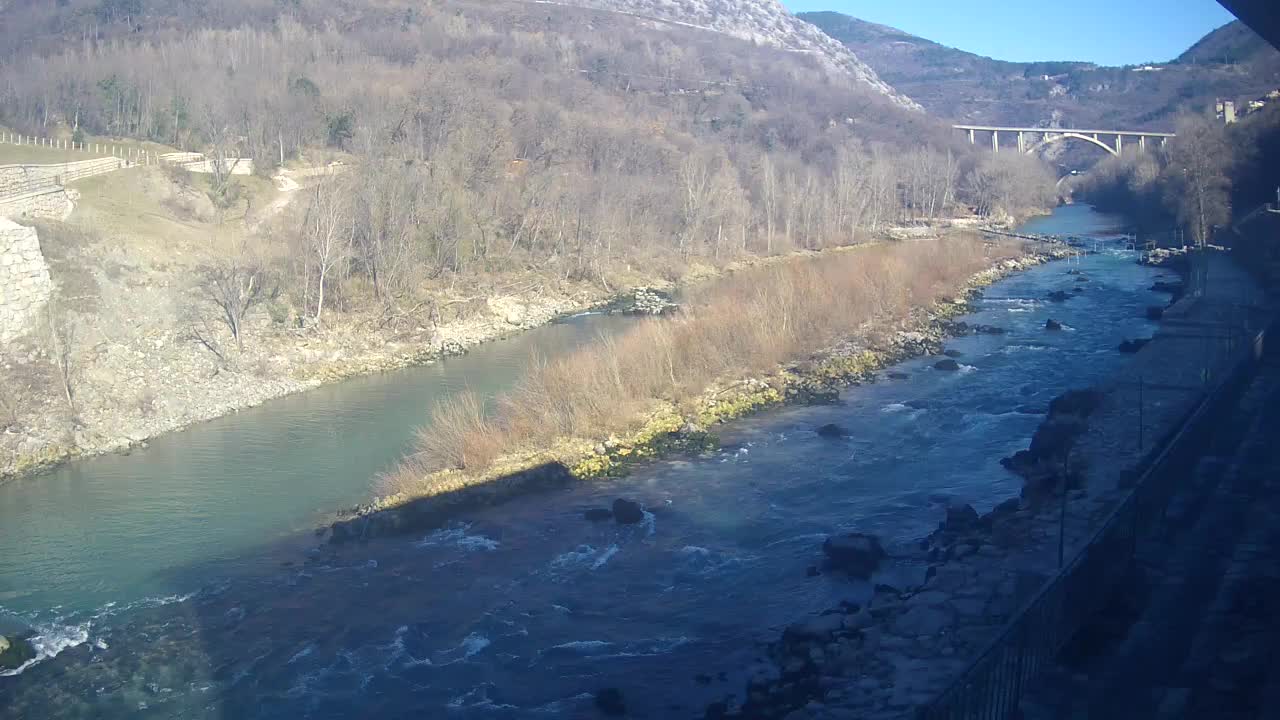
(740, 326)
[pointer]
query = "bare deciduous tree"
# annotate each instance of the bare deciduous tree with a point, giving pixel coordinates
(328, 235)
(234, 288)
(60, 339)
(1198, 188)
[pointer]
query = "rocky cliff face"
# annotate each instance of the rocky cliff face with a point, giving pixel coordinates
(765, 22)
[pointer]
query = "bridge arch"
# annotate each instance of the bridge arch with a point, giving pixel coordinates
(1059, 137)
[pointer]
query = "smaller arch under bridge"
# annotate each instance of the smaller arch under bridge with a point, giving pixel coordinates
(1033, 140)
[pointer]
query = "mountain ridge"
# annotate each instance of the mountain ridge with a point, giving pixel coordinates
(963, 86)
(761, 21)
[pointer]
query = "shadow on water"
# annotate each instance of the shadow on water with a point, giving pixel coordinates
(524, 609)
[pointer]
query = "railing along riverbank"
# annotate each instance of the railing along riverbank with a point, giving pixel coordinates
(994, 683)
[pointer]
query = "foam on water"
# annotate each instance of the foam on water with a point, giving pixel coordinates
(50, 640)
(60, 632)
(472, 645)
(457, 536)
(604, 557)
(477, 697)
(580, 647)
(650, 524)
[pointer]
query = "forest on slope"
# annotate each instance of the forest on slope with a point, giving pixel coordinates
(503, 161)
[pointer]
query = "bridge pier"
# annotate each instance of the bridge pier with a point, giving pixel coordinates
(1022, 143)
(971, 136)
(995, 141)
(1142, 143)
(1119, 144)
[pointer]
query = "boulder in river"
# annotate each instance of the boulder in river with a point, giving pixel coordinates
(609, 701)
(953, 353)
(961, 517)
(858, 554)
(1133, 346)
(1059, 296)
(598, 514)
(1052, 324)
(948, 365)
(15, 652)
(831, 431)
(627, 512)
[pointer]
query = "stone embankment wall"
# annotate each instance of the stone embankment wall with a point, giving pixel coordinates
(25, 285)
(52, 203)
(22, 179)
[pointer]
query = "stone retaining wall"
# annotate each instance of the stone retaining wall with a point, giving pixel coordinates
(25, 285)
(52, 203)
(22, 179)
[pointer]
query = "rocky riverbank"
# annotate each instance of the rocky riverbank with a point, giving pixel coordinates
(147, 376)
(919, 622)
(128, 393)
(860, 359)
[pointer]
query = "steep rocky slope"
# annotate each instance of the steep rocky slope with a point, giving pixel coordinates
(765, 22)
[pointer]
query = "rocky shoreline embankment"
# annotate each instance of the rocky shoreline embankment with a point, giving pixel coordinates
(317, 360)
(901, 645)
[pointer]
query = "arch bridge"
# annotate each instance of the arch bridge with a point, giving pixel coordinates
(1032, 140)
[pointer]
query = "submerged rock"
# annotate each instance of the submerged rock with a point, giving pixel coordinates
(832, 431)
(818, 628)
(627, 512)
(1173, 288)
(1052, 324)
(953, 353)
(898, 376)
(610, 702)
(948, 365)
(598, 514)
(15, 652)
(858, 554)
(1082, 279)
(1155, 312)
(1133, 346)
(1059, 296)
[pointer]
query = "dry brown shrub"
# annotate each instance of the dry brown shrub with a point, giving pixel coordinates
(746, 324)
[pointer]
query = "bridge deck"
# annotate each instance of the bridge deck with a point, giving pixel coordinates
(1059, 131)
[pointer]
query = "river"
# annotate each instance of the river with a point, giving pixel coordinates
(182, 580)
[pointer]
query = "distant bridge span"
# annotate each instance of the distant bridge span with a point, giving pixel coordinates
(1052, 135)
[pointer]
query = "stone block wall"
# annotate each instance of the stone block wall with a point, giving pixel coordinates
(25, 285)
(53, 203)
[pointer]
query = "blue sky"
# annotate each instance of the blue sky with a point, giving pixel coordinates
(1108, 32)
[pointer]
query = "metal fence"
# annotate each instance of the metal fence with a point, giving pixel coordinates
(993, 685)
